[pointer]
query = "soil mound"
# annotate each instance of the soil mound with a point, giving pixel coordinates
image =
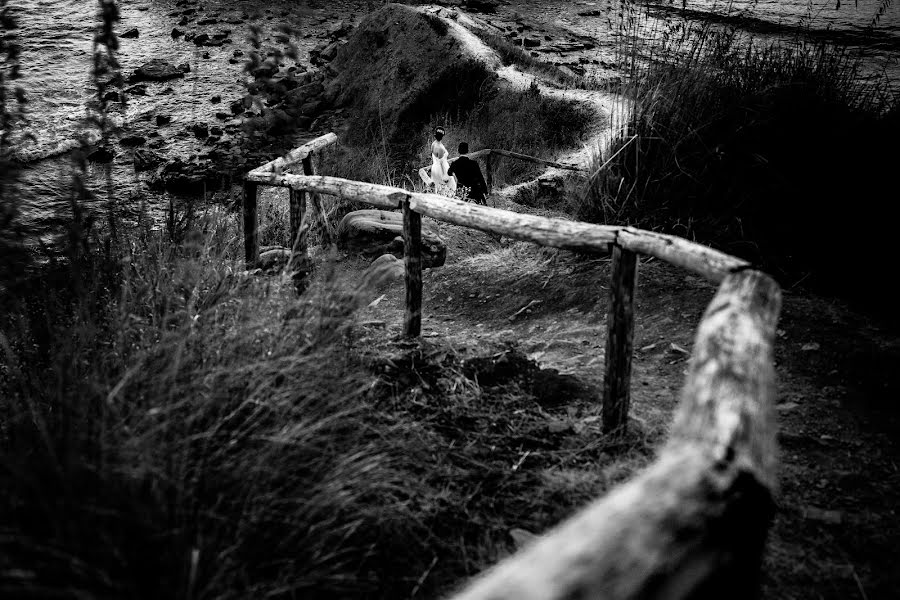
(400, 66)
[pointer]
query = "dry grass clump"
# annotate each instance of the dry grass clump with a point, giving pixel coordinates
(174, 428)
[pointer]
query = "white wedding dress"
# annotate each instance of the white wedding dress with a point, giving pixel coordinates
(438, 176)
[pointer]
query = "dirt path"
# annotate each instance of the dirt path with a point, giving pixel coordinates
(836, 530)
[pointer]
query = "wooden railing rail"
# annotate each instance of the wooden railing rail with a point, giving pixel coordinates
(298, 204)
(693, 523)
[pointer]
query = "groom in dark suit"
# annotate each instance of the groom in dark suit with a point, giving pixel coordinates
(468, 173)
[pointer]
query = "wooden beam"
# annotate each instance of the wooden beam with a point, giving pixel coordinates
(296, 155)
(703, 260)
(251, 223)
(378, 195)
(558, 233)
(412, 259)
(693, 524)
(619, 342)
(297, 203)
(308, 169)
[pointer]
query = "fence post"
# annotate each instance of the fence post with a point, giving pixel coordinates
(308, 169)
(299, 237)
(489, 172)
(619, 341)
(251, 238)
(412, 259)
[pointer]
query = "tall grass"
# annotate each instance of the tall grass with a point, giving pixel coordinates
(174, 428)
(766, 150)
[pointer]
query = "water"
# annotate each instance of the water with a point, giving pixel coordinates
(56, 39)
(56, 35)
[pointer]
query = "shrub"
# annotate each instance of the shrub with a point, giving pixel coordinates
(766, 151)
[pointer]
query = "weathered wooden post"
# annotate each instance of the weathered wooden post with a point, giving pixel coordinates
(308, 169)
(489, 172)
(300, 265)
(251, 238)
(412, 259)
(619, 341)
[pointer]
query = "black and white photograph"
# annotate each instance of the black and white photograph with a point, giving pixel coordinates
(452, 300)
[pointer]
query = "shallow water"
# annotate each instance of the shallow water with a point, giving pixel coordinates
(56, 40)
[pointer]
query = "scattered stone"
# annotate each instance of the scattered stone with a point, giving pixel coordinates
(179, 177)
(339, 29)
(146, 160)
(484, 6)
(274, 259)
(208, 21)
(216, 131)
(531, 42)
(158, 69)
(206, 55)
(137, 90)
(384, 269)
(133, 140)
(786, 407)
(222, 116)
(101, 155)
(163, 120)
(112, 96)
(200, 130)
(216, 99)
(265, 70)
(311, 108)
(185, 67)
(131, 33)
(810, 347)
(374, 232)
(176, 33)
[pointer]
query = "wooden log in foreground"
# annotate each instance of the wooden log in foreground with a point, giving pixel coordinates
(251, 238)
(692, 524)
(619, 341)
(296, 155)
(412, 260)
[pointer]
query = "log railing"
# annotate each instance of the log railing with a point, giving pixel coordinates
(694, 522)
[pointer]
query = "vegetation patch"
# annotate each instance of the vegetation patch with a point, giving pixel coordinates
(764, 151)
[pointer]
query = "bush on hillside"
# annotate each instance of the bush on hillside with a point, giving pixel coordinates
(768, 153)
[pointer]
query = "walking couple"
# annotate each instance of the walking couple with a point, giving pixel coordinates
(464, 171)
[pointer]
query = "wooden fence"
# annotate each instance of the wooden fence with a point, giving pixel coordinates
(694, 522)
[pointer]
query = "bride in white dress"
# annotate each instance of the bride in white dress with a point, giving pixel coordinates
(443, 183)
